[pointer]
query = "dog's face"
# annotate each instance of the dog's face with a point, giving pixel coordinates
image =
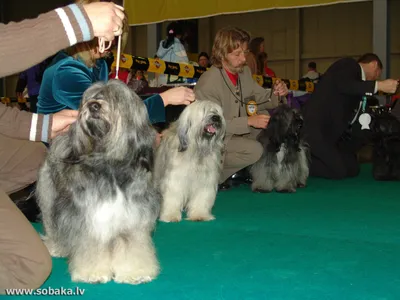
(96, 118)
(201, 121)
(285, 123)
(112, 119)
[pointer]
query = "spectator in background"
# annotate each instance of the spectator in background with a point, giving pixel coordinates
(171, 49)
(262, 64)
(256, 46)
(312, 73)
(137, 81)
(204, 60)
(32, 79)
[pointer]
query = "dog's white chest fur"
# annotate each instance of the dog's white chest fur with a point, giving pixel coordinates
(111, 214)
(281, 154)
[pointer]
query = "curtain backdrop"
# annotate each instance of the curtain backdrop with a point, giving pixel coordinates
(147, 12)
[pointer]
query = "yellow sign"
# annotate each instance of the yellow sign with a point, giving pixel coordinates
(186, 70)
(156, 66)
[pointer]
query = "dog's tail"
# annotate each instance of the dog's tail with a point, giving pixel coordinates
(25, 200)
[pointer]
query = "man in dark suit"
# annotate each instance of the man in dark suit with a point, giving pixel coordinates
(331, 109)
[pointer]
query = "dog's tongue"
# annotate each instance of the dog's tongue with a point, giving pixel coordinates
(210, 128)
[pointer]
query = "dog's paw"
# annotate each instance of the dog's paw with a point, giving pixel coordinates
(286, 191)
(170, 218)
(301, 185)
(133, 279)
(261, 191)
(200, 218)
(54, 249)
(91, 277)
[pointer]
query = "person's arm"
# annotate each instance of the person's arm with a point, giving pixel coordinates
(69, 83)
(155, 108)
(347, 81)
(267, 98)
(205, 89)
(24, 125)
(180, 53)
(47, 34)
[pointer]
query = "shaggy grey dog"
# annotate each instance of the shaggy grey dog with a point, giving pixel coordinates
(96, 191)
(188, 162)
(284, 165)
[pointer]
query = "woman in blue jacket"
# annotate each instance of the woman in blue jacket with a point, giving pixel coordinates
(73, 70)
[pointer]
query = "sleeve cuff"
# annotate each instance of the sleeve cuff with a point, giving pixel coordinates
(40, 128)
(376, 87)
(155, 108)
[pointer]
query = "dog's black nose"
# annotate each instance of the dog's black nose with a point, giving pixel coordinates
(94, 106)
(216, 118)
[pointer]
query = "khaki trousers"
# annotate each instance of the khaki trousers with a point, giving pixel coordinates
(24, 259)
(241, 152)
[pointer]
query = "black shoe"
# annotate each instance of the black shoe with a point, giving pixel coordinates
(226, 185)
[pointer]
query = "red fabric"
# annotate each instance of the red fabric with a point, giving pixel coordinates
(269, 72)
(122, 75)
(232, 77)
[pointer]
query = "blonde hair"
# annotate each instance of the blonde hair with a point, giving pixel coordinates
(227, 40)
(84, 50)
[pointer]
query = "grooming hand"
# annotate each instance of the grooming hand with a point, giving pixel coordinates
(62, 120)
(388, 86)
(106, 18)
(258, 121)
(280, 88)
(178, 96)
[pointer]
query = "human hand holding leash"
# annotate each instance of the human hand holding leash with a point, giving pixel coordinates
(106, 18)
(178, 96)
(258, 121)
(388, 86)
(280, 88)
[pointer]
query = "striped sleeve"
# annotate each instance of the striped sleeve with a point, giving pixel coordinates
(23, 125)
(40, 129)
(76, 23)
(47, 34)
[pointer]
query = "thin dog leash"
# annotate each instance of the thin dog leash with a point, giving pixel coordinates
(103, 48)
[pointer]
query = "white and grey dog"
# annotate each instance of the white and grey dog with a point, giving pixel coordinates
(96, 190)
(284, 165)
(188, 162)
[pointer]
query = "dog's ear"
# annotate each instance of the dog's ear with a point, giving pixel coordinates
(273, 132)
(183, 137)
(146, 158)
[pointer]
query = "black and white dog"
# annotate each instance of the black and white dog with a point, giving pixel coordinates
(284, 165)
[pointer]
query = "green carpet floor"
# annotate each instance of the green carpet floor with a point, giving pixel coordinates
(331, 240)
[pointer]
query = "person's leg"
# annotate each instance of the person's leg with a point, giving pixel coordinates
(240, 153)
(33, 103)
(326, 159)
(24, 259)
(19, 163)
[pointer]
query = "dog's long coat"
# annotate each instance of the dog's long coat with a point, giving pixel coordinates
(284, 165)
(96, 190)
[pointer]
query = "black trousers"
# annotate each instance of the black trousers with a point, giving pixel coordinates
(337, 159)
(33, 103)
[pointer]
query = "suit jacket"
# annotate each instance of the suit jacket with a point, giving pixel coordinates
(216, 86)
(335, 100)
